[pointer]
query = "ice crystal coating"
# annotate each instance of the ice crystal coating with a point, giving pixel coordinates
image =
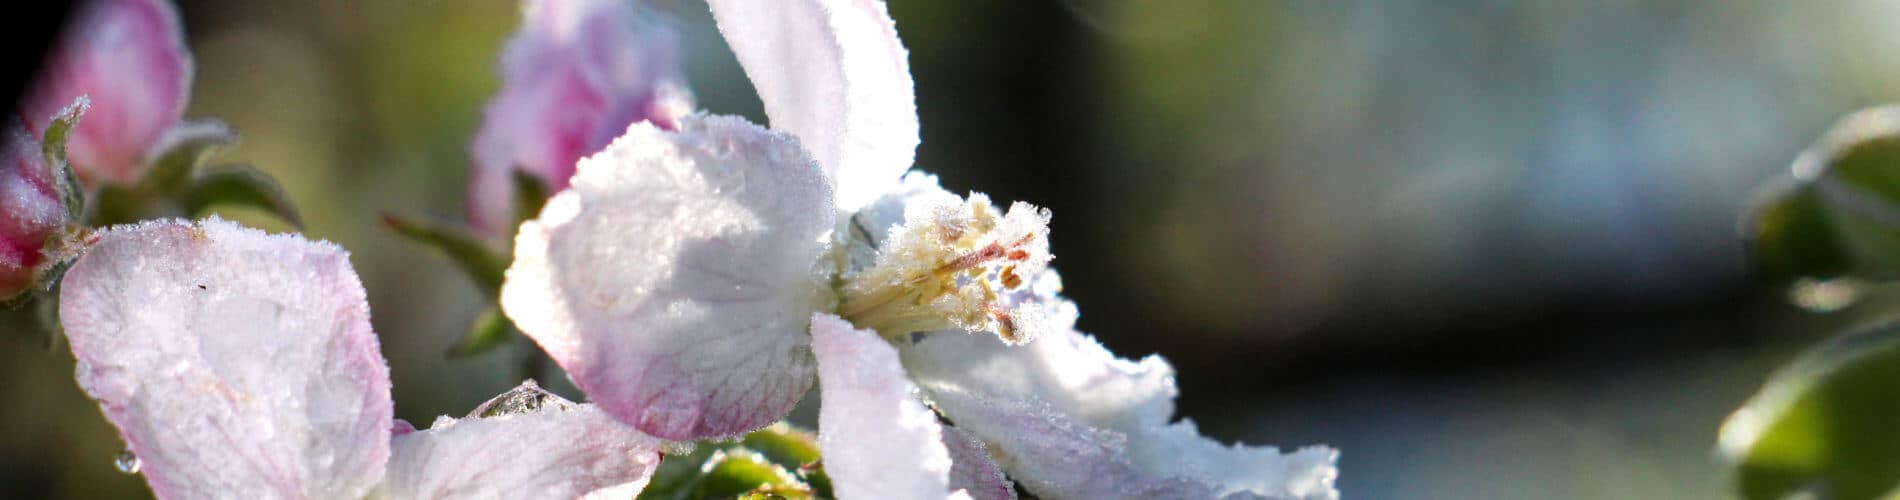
(31, 208)
(833, 73)
(878, 440)
(554, 452)
(972, 470)
(129, 57)
(234, 363)
(954, 263)
(242, 365)
(1068, 419)
(575, 75)
(674, 280)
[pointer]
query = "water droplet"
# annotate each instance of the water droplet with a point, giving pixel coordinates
(528, 397)
(126, 462)
(1823, 296)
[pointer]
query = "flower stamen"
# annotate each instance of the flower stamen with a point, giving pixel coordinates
(952, 264)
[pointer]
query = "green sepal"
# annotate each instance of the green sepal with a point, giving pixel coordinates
(491, 329)
(53, 146)
(530, 195)
(482, 264)
(241, 185)
(186, 147)
(1823, 424)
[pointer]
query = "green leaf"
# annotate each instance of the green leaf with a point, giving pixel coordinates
(53, 146)
(480, 263)
(490, 330)
(1789, 236)
(742, 473)
(184, 148)
(241, 185)
(1840, 215)
(1824, 424)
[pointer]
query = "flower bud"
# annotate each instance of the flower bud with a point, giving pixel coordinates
(129, 57)
(31, 209)
(575, 75)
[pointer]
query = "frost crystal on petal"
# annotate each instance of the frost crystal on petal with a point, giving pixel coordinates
(1063, 409)
(674, 280)
(528, 397)
(234, 363)
(833, 73)
(877, 438)
(31, 208)
(553, 453)
(972, 470)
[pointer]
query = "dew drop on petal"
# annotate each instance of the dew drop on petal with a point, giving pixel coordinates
(528, 397)
(126, 462)
(1823, 296)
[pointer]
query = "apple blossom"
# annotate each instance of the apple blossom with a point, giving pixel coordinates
(695, 280)
(237, 364)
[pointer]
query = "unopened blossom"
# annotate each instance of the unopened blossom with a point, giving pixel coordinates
(31, 208)
(692, 280)
(237, 364)
(574, 76)
(129, 58)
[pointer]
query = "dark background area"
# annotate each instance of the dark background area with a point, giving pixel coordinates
(1486, 249)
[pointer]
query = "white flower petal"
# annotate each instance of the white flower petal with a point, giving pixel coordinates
(1063, 409)
(972, 470)
(833, 73)
(236, 364)
(674, 280)
(878, 440)
(554, 453)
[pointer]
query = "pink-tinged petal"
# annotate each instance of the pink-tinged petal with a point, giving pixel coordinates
(555, 453)
(674, 279)
(129, 57)
(30, 208)
(833, 73)
(573, 77)
(1063, 409)
(972, 470)
(877, 438)
(234, 363)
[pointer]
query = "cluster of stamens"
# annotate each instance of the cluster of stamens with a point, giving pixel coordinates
(954, 264)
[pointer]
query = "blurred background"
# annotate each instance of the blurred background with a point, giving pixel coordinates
(1487, 250)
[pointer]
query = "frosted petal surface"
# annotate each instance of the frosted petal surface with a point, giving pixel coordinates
(972, 470)
(1062, 409)
(833, 73)
(877, 438)
(554, 453)
(675, 280)
(235, 364)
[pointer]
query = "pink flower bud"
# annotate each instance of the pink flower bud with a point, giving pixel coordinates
(575, 75)
(129, 57)
(30, 208)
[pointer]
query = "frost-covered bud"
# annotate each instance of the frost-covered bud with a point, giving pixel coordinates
(31, 210)
(575, 75)
(129, 57)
